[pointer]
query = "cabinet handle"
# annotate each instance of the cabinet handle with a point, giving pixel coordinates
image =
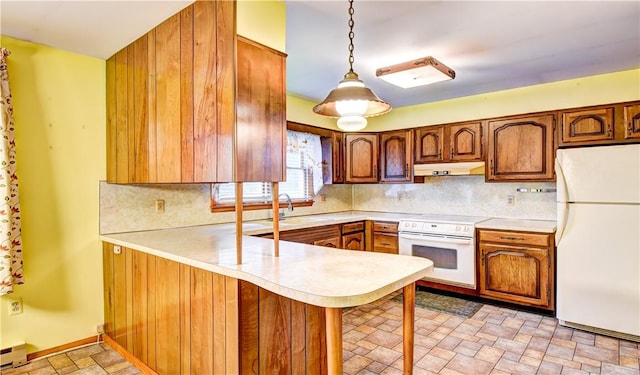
(629, 127)
(491, 165)
(451, 153)
(512, 238)
(375, 171)
(439, 154)
(608, 130)
(384, 244)
(406, 170)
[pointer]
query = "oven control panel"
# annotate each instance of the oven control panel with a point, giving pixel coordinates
(436, 228)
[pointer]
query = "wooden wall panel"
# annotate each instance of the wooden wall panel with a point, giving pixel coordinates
(121, 111)
(186, 93)
(109, 297)
(225, 88)
(201, 321)
(140, 322)
(205, 105)
(152, 107)
(131, 125)
(167, 283)
(120, 299)
(168, 107)
(140, 122)
(180, 319)
(112, 144)
(275, 333)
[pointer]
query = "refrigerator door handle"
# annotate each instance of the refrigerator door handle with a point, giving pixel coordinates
(563, 205)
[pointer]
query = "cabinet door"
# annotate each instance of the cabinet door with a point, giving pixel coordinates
(385, 243)
(465, 142)
(429, 144)
(353, 241)
(395, 156)
(632, 121)
(328, 242)
(361, 158)
(515, 274)
(587, 125)
(260, 114)
(521, 149)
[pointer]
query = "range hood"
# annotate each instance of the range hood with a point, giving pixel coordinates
(449, 169)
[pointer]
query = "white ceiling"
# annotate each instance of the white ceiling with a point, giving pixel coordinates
(492, 45)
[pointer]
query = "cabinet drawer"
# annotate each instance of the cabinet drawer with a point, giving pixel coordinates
(353, 227)
(514, 238)
(385, 226)
(385, 243)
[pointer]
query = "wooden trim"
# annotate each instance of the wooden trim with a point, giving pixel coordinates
(304, 128)
(408, 318)
(259, 45)
(128, 356)
(256, 206)
(63, 347)
(333, 318)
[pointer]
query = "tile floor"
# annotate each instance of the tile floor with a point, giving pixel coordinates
(495, 340)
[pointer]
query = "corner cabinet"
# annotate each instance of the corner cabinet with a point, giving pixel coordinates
(517, 267)
(361, 158)
(396, 162)
(261, 123)
(521, 148)
(171, 100)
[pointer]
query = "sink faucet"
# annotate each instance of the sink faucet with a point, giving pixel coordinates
(289, 203)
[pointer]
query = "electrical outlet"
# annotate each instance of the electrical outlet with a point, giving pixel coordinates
(511, 200)
(159, 205)
(400, 196)
(15, 306)
(100, 328)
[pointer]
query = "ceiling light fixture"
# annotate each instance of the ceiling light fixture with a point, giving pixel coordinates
(352, 101)
(417, 72)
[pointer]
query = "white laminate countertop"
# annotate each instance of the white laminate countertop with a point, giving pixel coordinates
(312, 274)
(542, 226)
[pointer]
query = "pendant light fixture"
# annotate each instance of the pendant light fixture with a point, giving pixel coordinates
(352, 101)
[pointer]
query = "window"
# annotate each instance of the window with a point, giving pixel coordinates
(303, 177)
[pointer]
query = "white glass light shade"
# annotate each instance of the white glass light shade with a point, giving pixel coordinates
(352, 123)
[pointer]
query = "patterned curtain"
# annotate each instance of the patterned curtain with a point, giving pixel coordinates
(310, 147)
(10, 230)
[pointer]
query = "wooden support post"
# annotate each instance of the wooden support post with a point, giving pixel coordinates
(239, 222)
(276, 218)
(408, 319)
(333, 320)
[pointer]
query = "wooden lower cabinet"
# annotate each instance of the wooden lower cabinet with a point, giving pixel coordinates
(517, 267)
(353, 237)
(177, 319)
(385, 237)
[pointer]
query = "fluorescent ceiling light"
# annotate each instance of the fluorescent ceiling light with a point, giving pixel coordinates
(417, 72)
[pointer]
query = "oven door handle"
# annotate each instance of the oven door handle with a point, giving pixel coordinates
(455, 241)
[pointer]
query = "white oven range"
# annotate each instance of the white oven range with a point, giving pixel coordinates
(448, 241)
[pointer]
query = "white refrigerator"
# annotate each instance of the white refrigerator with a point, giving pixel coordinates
(598, 239)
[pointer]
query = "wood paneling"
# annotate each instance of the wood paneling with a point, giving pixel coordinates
(260, 113)
(171, 100)
(190, 321)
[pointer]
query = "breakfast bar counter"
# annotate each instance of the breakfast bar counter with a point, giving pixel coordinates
(266, 315)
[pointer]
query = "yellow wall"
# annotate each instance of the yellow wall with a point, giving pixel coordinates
(599, 89)
(59, 112)
(263, 21)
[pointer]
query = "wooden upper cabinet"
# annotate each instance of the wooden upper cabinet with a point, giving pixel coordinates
(429, 144)
(452, 142)
(395, 156)
(260, 118)
(337, 150)
(171, 100)
(465, 141)
(521, 148)
(632, 121)
(587, 125)
(361, 157)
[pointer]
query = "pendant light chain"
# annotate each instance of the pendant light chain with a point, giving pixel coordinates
(351, 35)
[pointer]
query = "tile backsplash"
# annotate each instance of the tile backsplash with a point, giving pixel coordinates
(125, 208)
(459, 195)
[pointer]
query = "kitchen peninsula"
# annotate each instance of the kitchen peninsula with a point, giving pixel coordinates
(177, 302)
